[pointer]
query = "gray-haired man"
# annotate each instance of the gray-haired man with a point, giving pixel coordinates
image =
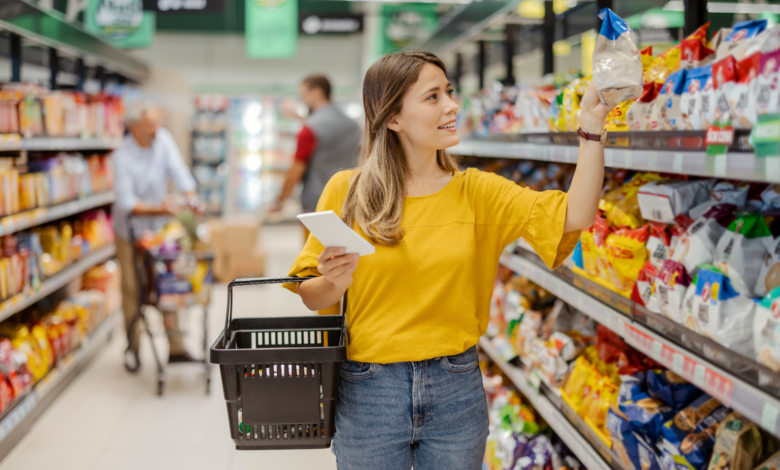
(147, 159)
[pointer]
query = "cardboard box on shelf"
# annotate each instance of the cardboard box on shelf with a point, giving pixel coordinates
(250, 263)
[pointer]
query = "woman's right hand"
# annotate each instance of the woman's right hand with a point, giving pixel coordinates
(337, 267)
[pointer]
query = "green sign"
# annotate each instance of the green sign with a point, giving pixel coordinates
(271, 29)
(125, 24)
(765, 137)
(406, 23)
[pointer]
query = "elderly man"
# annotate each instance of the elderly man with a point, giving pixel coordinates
(144, 164)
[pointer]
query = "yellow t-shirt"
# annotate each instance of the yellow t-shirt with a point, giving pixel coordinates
(430, 296)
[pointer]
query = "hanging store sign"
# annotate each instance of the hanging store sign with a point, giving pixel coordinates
(271, 29)
(181, 6)
(124, 23)
(331, 24)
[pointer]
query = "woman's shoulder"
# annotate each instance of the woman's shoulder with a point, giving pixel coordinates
(473, 177)
(340, 181)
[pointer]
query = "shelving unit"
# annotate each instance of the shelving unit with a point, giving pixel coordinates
(42, 215)
(622, 317)
(19, 419)
(553, 414)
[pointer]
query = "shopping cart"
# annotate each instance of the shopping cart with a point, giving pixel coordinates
(280, 376)
(157, 278)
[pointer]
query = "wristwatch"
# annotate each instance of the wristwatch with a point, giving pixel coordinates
(600, 137)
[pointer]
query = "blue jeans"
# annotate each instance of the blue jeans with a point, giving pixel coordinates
(426, 415)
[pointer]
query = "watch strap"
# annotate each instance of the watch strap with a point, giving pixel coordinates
(588, 136)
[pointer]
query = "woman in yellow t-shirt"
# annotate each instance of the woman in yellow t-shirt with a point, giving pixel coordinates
(411, 393)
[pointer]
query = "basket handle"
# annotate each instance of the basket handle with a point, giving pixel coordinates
(253, 281)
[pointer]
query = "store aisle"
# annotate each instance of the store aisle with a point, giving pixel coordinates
(109, 419)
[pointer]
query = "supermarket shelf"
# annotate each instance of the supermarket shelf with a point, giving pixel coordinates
(736, 165)
(43, 144)
(31, 218)
(552, 415)
(18, 421)
(20, 302)
(729, 388)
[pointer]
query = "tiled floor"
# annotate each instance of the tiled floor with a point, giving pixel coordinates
(109, 419)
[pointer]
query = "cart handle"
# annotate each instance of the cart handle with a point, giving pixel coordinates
(253, 281)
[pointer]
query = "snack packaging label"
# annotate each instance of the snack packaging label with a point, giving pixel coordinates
(741, 251)
(647, 415)
(744, 93)
(766, 330)
(724, 77)
(627, 254)
(697, 244)
(639, 111)
(671, 114)
(695, 54)
(690, 436)
(768, 88)
(617, 66)
(722, 313)
(670, 287)
(670, 388)
(659, 244)
(738, 444)
(741, 31)
(662, 201)
(691, 99)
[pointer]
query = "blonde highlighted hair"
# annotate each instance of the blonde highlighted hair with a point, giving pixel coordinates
(375, 199)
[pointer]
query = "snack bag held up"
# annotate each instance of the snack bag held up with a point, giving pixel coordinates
(617, 66)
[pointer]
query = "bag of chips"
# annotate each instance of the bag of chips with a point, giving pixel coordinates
(647, 415)
(742, 31)
(744, 92)
(622, 206)
(694, 54)
(617, 67)
(642, 293)
(697, 245)
(738, 444)
(631, 386)
(690, 436)
(627, 254)
(688, 315)
(617, 119)
(722, 313)
(691, 99)
(659, 244)
(670, 287)
(766, 331)
(637, 114)
(724, 79)
(663, 200)
(671, 389)
(671, 115)
(741, 251)
(718, 38)
(633, 450)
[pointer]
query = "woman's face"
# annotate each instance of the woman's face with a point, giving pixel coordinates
(428, 113)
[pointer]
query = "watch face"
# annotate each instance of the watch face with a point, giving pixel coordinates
(603, 136)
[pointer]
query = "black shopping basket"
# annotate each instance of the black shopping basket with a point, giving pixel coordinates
(280, 375)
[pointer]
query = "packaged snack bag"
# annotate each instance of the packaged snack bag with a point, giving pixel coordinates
(631, 386)
(571, 108)
(646, 56)
(707, 99)
(622, 205)
(741, 31)
(694, 54)
(690, 436)
(647, 415)
(662, 66)
(642, 293)
(662, 201)
(633, 450)
(744, 92)
(724, 78)
(697, 245)
(741, 251)
(769, 276)
(671, 389)
(637, 113)
(766, 334)
(688, 315)
(691, 99)
(738, 444)
(681, 224)
(589, 257)
(627, 254)
(601, 233)
(659, 244)
(772, 463)
(617, 67)
(718, 39)
(670, 117)
(670, 287)
(722, 313)
(617, 119)
(768, 88)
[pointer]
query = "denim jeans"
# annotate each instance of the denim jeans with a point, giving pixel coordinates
(426, 415)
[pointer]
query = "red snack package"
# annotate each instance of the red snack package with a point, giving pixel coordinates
(724, 78)
(695, 54)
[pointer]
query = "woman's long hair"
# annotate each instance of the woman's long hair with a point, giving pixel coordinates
(375, 199)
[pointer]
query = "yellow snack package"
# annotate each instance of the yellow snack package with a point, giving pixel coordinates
(41, 339)
(664, 65)
(622, 206)
(627, 255)
(591, 393)
(589, 257)
(576, 382)
(571, 109)
(616, 119)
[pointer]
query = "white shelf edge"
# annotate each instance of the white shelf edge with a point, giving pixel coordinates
(67, 366)
(584, 451)
(743, 165)
(752, 402)
(19, 302)
(23, 220)
(59, 143)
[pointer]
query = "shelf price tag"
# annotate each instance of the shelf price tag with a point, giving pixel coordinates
(608, 157)
(765, 136)
(677, 163)
(698, 375)
(652, 160)
(657, 350)
(677, 364)
(718, 141)
(628, 159)
(769, 417)
(772, 169)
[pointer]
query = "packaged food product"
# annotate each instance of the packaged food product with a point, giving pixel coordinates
(718, 38)
(633, 450)
(670, 287)
(768, 88)
(589, 256)
(658, 244)
(691, 104)
(622, 206)
(617, 67)
(663, 200)
(738, 444)
(722, 313)
(631, 386)
(772, 463)
(627, 254)
(688, 315)
(670, 116)
(601, 233)
(766, 334)
(724, 78)
(741, 251)
(636, 116)
(697, 244)
(744, 92)
(671, 389)
(681, 224)
(571, 108)
(741, 31)
(694, 54)
(690, 436)
(769, 276)
(617, 119)
(647, 415)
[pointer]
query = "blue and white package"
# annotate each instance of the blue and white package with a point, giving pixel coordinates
(691, 106)
(741, 31)
(617, 67)
(661, 117)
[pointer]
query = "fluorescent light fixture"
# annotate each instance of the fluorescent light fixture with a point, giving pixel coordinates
(723, 7)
